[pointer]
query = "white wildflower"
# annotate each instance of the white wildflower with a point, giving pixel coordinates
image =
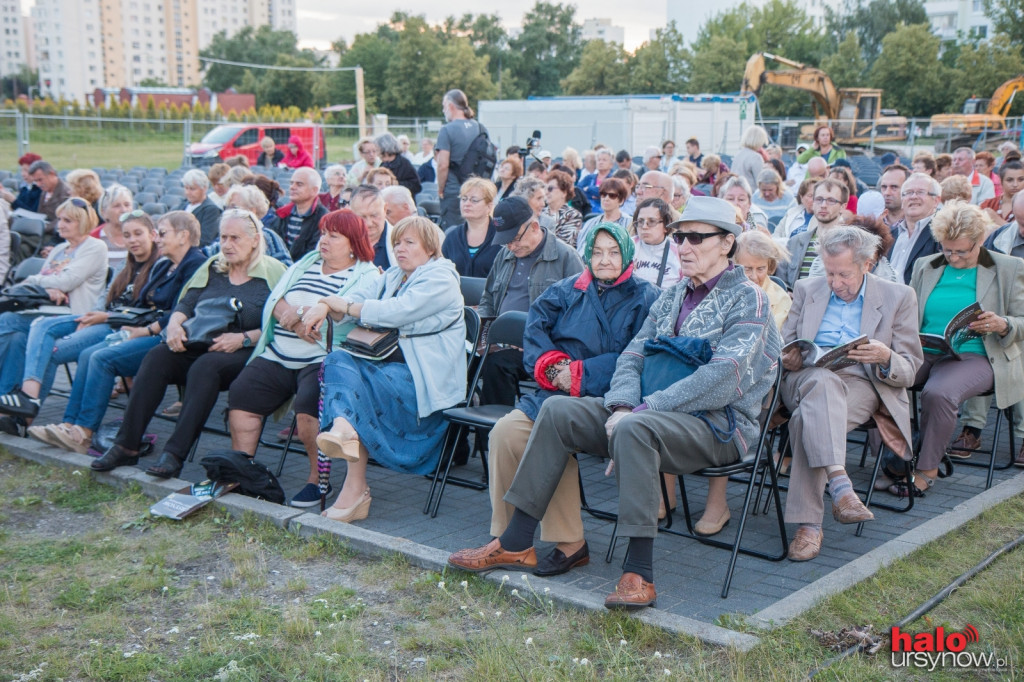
(504, 579)
(515, 592)
(248, 637)
(584, 661)
(667, 671)
(317, 633)
(623, 642)
(529, 641)
(32, 674)
(464, 583)
(497, 614)
(546, 590)
(76, 472)
(657, 654)
(174, 630)
(525, 579)
(441, 584)
(128, 654)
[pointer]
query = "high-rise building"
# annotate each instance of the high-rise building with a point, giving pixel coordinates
(12, 38)
(602, 29)
(131, 41)
(691, 15)
(958, 20)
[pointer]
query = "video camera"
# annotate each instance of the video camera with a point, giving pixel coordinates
(532, 143)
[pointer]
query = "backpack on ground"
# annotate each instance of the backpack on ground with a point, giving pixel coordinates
(480, 158)
(253, 478)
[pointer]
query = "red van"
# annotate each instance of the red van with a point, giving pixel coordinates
(233, 139)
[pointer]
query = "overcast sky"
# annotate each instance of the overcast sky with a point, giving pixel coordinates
(320, 23)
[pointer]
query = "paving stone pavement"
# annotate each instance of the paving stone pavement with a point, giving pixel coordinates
(688, 574)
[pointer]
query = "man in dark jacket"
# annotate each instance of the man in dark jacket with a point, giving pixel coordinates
(298, 222)
(54, 193)
(531, 261)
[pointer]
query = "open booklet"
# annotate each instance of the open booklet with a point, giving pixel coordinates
(828, 358)
(958, 332)
(182, 503)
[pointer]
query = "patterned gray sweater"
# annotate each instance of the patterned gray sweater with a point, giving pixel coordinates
(736, 319)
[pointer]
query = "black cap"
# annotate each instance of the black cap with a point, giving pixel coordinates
(509, 217)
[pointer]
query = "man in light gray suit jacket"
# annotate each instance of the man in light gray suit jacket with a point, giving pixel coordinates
(826, 404)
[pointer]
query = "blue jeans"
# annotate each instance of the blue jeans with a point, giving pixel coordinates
(99, 366)
(13, 337)
(53, 341)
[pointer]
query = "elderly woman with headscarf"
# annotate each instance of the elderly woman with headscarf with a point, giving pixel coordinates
(575, 332)
(392, 159)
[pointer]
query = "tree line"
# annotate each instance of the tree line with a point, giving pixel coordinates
(408, 62)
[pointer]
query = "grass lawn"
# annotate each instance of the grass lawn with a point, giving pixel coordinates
(94, 588)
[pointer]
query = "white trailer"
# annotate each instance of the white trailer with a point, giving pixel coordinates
(630, 122)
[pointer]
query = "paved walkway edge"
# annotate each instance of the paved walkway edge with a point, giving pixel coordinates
(867, 565)
(371, 542)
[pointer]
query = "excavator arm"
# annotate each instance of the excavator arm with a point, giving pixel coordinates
(799, 77)
(1002, 98)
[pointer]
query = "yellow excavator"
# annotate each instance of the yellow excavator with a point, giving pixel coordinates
(979, 115)
(853, 113)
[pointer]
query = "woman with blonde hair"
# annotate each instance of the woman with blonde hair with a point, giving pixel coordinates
(380, 177)
(571, 159)
(391, 409)
(85, 183)
(469, 245)
(241, 276)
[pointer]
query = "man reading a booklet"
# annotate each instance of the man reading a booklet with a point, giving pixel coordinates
(825, 403)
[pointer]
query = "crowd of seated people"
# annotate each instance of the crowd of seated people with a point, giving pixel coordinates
(251, 290)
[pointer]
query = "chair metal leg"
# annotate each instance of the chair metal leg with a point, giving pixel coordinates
(445, 456)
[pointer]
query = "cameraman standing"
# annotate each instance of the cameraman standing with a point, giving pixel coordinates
(452, 146)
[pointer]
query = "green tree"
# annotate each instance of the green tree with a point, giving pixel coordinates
(1008, 17)
(250, 46)
(872, 21)
(458, 66)
(13, 85)
(286, 88)
(548, 48)
(982, 68)
(153, 83)
(846, 66)
(602, 71)
(909, 70)
(661, 65)
(417, 51)
(778, 26)
(718, 66)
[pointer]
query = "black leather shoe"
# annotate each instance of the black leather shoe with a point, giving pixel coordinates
(557, 563)
(168, 466)
(116, 456)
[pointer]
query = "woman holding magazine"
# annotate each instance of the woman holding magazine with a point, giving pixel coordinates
(986, 357)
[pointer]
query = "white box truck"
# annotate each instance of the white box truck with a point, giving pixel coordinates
(630, 122)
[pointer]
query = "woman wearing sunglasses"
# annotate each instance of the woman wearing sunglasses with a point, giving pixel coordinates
(73, 275)
(149, 281)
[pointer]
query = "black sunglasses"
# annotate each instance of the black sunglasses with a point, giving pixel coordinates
(79, 202)
(695, 238)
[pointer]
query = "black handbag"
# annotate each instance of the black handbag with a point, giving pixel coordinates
(211, 318)
(23, 297)
(372, 343)
(126, 316)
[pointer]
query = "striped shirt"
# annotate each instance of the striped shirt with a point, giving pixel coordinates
(809, 256)
(287, 348)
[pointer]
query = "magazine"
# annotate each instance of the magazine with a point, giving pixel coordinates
(182, 503)
(958, 332)
(825, 357)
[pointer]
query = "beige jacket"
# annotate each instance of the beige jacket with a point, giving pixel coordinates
(1000, 290)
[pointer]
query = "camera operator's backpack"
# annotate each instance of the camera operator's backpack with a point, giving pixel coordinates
(480, 158)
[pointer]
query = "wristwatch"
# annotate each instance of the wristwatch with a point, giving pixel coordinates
(300, 311)
(246, 341)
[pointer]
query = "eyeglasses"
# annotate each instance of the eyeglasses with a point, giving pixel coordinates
(521, 233)
(959, 254)
(471, 200)
(646, 186)
(642, 223)
(917, 193)
(137, 213)
(79, 202)
(613, 195)
(695, 238)
(826, 200)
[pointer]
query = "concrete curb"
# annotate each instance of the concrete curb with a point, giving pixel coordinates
(370, 542)
(867, 565)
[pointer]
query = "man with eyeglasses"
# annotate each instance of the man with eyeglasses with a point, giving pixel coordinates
(533, 259)
(889, 186)
(830, 197)
(920, 197)
(825, 404)
(668, 419)
(656, 185)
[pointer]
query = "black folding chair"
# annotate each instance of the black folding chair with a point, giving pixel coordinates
(472, 289)
(756, 462)
(506, 329)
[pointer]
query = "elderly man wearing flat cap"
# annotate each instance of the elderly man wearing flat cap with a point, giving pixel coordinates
(676, 417)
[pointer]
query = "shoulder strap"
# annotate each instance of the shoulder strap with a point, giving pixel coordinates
(664, 262)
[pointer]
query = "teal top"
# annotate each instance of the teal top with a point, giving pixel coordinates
(955, 290)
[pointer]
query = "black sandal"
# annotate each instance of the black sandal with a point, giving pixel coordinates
(904, 488)
(168, 466)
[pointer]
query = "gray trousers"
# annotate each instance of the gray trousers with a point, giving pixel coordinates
(947, 383)
(642, 445)
(825, 406)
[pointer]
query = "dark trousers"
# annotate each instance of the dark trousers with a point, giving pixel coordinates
(451, 212)
(205, 374)
(502, 372)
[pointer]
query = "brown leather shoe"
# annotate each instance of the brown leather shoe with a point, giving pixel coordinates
(1020, 457)
(632, 592)
(492, 556)
(849, 509)
(805, 545)
(962, 446)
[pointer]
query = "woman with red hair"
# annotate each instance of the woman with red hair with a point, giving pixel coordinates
(286, 363)
(29, 193)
